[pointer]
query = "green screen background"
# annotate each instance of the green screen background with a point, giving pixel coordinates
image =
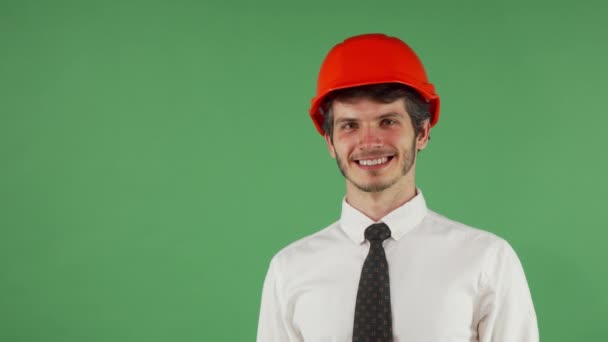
(155, 155)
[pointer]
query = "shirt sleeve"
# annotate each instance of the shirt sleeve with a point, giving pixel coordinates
(274, 325)
(506, 309)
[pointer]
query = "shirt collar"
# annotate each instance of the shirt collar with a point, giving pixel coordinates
(400, 221)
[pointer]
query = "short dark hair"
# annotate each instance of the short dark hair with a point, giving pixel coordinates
(415, 105)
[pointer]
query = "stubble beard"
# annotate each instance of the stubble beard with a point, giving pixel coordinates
(407, 159)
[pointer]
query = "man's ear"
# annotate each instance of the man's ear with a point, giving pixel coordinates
(424, 134)
(330, 145)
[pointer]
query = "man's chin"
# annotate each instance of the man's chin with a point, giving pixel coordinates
(373, 187)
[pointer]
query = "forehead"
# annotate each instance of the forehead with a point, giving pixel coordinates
(366, 108)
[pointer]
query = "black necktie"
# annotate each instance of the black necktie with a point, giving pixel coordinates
(373, 318)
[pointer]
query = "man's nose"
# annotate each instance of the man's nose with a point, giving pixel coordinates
(370, 139)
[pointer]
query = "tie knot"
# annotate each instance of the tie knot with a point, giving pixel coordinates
(377, 232)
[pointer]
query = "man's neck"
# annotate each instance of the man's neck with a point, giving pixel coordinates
(376, 205)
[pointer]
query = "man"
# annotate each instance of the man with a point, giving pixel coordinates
(389, 269)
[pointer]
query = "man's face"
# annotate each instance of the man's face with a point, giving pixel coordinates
(374, 143)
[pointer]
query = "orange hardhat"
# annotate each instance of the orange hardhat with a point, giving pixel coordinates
(371, 59)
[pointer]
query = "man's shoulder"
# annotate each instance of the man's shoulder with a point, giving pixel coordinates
(314, 243)
(436, 224)
(313, 248)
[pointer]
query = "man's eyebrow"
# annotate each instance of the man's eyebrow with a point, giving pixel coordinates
(340, 120)
(390, 115)
(380, 117)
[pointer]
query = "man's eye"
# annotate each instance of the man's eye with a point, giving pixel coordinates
(349, 125)
(388, 122)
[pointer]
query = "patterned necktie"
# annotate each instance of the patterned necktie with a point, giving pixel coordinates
(373, 318)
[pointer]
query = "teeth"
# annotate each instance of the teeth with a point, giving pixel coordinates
(370, 162)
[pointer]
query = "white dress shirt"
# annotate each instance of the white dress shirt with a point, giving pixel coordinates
(449, 282)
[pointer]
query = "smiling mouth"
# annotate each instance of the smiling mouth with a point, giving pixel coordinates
(374, 162)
